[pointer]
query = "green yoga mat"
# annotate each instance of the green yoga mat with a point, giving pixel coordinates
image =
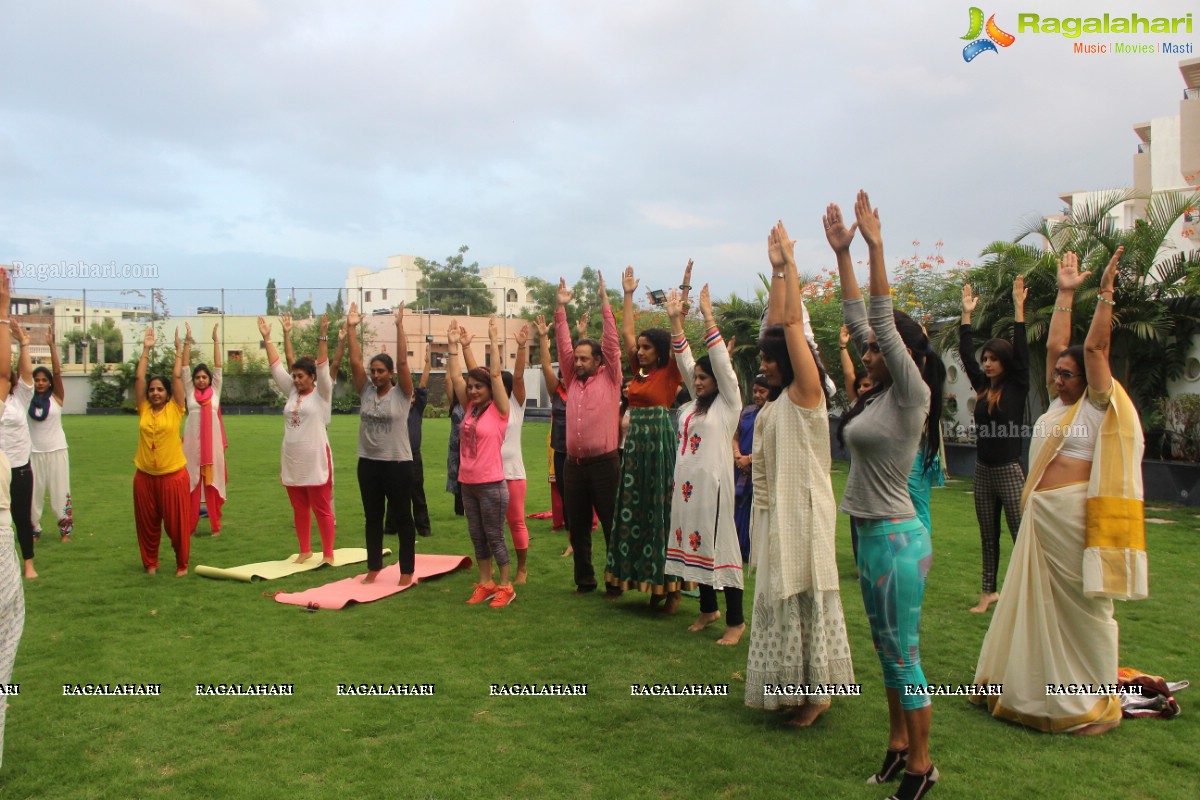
(270, 570)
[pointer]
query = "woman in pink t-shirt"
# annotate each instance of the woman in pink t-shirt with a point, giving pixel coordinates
(481, 465)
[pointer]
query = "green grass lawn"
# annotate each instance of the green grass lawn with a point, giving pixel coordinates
(94, 617)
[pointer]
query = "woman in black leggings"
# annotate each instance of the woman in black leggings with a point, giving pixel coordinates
(1002, 386)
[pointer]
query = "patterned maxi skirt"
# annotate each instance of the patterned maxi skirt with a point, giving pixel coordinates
(637, 553)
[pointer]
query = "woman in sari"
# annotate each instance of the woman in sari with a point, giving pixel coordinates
(1082, 540)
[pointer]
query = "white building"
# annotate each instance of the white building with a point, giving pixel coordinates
(380, 291)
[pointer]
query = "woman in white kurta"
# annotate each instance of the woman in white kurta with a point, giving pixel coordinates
(702, 543)
(204, 436)
(306, 465)
(798, 639)
(49, 459)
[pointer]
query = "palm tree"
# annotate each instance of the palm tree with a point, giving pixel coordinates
(1155, 316)
(741, 318)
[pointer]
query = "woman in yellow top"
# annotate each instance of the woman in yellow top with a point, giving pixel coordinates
(161, 489)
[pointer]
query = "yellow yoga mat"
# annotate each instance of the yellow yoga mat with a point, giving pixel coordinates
(270, 570)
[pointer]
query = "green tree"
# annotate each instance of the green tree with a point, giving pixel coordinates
(297, 310)
(1155, 315)
(586, 300)
(99, 334)
(272, 304)
(455, 286)
(741, 319)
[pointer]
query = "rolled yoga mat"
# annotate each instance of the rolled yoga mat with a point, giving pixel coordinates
(270, 570)
(340, 594)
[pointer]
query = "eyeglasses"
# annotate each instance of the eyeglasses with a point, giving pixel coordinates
(1066, 375)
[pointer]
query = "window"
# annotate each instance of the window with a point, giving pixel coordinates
(367, 297)
(511, 296)
(384, 294)
(233, 355)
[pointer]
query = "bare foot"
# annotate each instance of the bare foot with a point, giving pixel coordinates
(216, 533)
(732, 635)
(327, 560)
(301, 558)
(1096, 729)
(151, 570)
(370, 576)
(179, 573)
(704, 620)
(522, 576)
(985, 602)
(807, 714)
(672, 604)
(406, 579)
(570, 551)
(30, 573)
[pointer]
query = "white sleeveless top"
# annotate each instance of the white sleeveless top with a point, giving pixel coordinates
(514, 462)
(47, 435)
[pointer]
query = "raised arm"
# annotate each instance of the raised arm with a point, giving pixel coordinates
(358, 373)
(454, 368)
(499, 395)
(181, 354)
(56, 381)
(685, 361)
(428, 367)
(1096, 346)
(849, 371)
(839, 238)
(139, 380)
(522, 339)
(548, 375)
(609, 344)
(465, 337)
(1059, 336)
(285, 321)
(806, 390)
(727, 383)
(25, 363)
(562, 332)
(404, 380)
(628, 325)
(6, 340)
(966, 344)
(216, 340)
(1020, 367)
(335, 363)
(323, 340)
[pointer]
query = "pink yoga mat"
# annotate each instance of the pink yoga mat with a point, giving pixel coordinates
(340, 594)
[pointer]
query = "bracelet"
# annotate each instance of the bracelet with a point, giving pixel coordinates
(777, 275)
(685, 287)
(1061, 308)
(322, 338)
(1104, 299)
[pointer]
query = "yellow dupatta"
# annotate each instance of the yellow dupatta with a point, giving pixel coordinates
(1114, 556)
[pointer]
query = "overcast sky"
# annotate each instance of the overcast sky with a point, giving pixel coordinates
(228, 141)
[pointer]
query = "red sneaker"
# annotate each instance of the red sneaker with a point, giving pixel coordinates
(504, 596)
(482, 593)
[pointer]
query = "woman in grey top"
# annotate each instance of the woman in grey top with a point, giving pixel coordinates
(884, 430)
(385, 462)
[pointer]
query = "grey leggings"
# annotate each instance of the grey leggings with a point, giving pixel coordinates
(486, 505)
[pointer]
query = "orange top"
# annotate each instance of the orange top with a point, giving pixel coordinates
(658, 388)
(160, 448)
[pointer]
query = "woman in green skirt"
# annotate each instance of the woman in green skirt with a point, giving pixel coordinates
(638, 551)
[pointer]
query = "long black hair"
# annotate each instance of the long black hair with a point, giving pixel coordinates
(773, 346)
(661, 340)
(704, 403)
(1002, 350)
(933, 371)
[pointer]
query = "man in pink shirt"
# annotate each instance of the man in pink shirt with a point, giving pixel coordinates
(592, 468)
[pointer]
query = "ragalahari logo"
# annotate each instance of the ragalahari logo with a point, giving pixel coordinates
(995, 36)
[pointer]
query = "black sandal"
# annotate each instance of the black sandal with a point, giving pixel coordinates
(915, 786)
(893, 763)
